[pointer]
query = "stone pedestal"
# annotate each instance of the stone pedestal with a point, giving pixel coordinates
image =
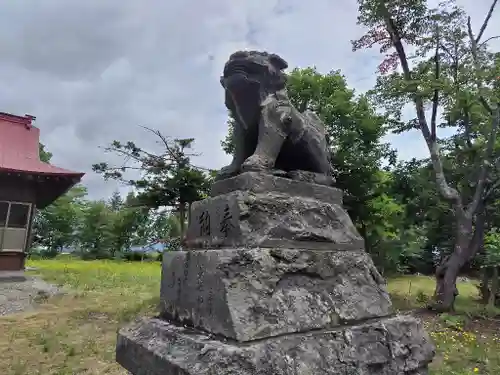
(276, 282)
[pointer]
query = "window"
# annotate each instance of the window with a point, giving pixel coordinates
(14, 214)
(18, 215)
(4, 210)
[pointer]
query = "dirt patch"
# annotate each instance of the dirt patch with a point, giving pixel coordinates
(487, 326)
(17, 296)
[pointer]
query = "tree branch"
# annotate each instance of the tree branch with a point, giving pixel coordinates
(121, 169)
(490, 190)
(486, 20)
(473, 44)
(129, 154)
(478, 236)
(169, 158)
(165, 143)
(487, 40)
(435, 98)
(445, 49)
(478, 194)
(467, 128)
(446, 191)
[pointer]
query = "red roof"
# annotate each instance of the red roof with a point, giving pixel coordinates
(19, 148)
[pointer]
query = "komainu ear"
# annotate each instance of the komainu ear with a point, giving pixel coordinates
(222, 81)
(277, 61)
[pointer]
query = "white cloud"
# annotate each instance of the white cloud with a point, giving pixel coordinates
(93, 71)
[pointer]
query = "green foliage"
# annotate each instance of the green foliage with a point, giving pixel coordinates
(54, 226)
(395, 247)
(413, 183)
(123, 226)
(109, 230)
(227, 143)
(115, 202)
(100, 229)
(45, 156)
(95, 232)
(456, 322)
(444, 69)
(354, 131)
(489, 261)
(42, 253)
(168, 179)
(491, 255)
(133, 256)
(421, 297)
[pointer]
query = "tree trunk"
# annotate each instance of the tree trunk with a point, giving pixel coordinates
(468, 240)
(446, 280)
(485, 286)
(447, 272)
(494, 288)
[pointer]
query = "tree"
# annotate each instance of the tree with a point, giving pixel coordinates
(169, 179)
(228, 143)
(54, 226)
(453, 70)
(490, 263)
(94, 234)
(45, 156)
(143, 219)
(116, 202)
(124, 227)
(165, 226)
(413, 184)
(395, 242)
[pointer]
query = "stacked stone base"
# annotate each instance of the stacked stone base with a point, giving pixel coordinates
(277, 283)
(249, 294)
(388, 346)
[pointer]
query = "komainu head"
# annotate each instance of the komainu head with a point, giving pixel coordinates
(248, 78)
(254, 67)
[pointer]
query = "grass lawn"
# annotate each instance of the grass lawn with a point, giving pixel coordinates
(76, 333)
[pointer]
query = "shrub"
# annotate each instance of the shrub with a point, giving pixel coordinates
(421, 297)
(41, 253)
(134, 256)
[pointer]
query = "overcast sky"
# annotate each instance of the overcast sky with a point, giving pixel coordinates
(92, 71)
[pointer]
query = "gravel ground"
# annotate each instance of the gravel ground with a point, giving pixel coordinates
(23, 296)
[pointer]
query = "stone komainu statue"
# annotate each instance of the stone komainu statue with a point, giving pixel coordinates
(269, 132)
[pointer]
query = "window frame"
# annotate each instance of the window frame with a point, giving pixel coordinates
(7, 213)
(7, 219)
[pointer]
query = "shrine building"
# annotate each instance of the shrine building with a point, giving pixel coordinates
(26, 184)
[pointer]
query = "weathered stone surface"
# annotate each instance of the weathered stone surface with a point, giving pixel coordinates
(390, 346)
(263, 183)
(245, 219)
(246, 294)
(269, 132)
(314, 178)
